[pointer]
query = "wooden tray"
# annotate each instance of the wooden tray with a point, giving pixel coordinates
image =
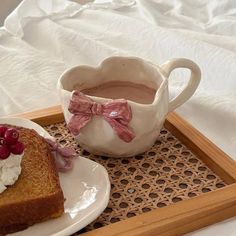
(172, 209)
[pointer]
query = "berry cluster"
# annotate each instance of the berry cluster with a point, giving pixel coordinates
(9, 142)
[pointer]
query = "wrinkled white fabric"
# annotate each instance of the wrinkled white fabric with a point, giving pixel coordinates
(42, 38)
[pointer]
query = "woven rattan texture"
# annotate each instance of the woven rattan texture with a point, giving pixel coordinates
(169, 172)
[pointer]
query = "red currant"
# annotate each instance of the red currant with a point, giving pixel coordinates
(2, 141)
(3, 129)
(11, 136)
(4, 152)
(17, 148)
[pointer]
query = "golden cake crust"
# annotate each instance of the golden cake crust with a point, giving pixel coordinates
(36, 196)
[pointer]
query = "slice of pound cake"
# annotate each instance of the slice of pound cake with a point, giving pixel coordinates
(30, 191)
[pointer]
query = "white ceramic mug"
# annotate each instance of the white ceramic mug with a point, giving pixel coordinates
(97, 136)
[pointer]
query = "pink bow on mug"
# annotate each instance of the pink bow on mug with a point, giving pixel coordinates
(117, 113)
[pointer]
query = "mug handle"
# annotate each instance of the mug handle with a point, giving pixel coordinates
(191, 86)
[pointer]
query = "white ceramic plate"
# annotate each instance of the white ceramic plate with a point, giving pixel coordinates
(86, 189)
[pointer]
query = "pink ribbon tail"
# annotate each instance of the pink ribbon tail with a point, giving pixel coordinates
(77, 122)
(124, 132)
(63, 156)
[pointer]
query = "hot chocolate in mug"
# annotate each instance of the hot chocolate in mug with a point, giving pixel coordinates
(118, 108)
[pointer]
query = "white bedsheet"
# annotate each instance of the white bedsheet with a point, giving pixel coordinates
(42, 38)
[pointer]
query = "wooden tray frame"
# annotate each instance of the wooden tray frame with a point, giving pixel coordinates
(181, 217)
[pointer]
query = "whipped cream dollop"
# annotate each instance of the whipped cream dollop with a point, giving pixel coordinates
(10, 170)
